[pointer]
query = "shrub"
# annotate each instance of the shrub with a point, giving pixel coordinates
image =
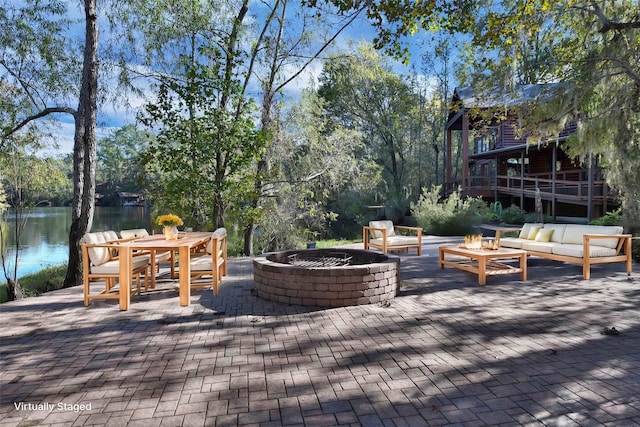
(610, 218)
(452, 216)
(531, 217)
(513, 215)
(45, 280)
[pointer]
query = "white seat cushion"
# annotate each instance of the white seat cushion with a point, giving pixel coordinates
(578, 251)
(396, 241)
(512, 242)
(113, 267)
(544, 247)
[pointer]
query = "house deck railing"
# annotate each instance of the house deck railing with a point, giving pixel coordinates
(567, 188)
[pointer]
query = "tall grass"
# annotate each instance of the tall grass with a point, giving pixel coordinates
(49, 279)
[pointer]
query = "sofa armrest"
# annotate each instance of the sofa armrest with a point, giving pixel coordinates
(368, 229)
(624, 240)
(418, 230)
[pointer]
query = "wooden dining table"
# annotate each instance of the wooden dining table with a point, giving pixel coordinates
(155, 243)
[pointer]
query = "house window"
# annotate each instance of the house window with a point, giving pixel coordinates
(514, 166)
(488, 141)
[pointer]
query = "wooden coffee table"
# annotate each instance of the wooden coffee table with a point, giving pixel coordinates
(483, 262)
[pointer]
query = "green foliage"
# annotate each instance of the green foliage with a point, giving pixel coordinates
(610, 218)
(48, 279)
(199, 161)
(453, 216)
(513, 215)
(362, 92)
(118, 158)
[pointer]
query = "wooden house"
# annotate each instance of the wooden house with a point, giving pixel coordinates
(497, 164)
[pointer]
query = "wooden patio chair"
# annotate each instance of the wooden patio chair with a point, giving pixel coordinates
(100, 261)
(382, 235)
(211, 262)
(159, 257)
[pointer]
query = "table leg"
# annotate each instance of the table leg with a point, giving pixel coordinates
(125, 255)
(152, 254)
(482, 271)
(184, 273)
(441, 258)
(523, 266)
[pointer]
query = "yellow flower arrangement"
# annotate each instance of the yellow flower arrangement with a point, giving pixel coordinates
(169, 220)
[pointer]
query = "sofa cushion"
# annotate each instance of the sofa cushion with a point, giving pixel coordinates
(574, 234)
(396, 241)
(533, 232)
(558, 231)
(512, 242)
(544, 247)
(544, 235)
(526, 228)
(386, 224)
(577, 251)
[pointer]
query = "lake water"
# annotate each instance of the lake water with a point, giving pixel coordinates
(45, 239)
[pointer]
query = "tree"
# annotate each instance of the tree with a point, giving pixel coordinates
(363, 93)
(118, 157)
(290, 40)
(202, 156)
(38, 61)
(316, 164)
(591, 46)
(203, 123)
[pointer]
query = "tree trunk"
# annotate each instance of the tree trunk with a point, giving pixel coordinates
(14, 290)
(84, 150)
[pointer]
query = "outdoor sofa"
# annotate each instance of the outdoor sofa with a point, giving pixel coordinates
(574, 243)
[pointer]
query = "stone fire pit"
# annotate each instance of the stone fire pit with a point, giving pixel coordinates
(326, 277)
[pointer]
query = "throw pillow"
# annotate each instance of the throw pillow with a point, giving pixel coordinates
(544, 235)
(533, 233)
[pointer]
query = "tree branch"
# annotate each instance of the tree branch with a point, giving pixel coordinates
(608, 24)
(43, 113)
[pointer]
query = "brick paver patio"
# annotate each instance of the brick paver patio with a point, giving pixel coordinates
(444, 352)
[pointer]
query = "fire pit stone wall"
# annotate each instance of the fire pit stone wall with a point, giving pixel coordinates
(372, 278)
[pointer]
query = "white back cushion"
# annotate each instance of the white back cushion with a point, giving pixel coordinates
(558, 232)
(97, 256)
(220, 232)
(574, 233)
(388, 225)
(133, 233)
(526, 229)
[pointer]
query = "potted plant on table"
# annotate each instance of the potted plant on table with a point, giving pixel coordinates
(170, 225)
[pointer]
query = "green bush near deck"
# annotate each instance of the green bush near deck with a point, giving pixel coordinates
(48, 279)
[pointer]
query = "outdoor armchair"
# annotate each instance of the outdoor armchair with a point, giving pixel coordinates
(383, 235)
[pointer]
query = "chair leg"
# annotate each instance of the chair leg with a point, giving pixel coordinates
(87, 289)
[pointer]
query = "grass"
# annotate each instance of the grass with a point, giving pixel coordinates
(49, 279)
(335, 243)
